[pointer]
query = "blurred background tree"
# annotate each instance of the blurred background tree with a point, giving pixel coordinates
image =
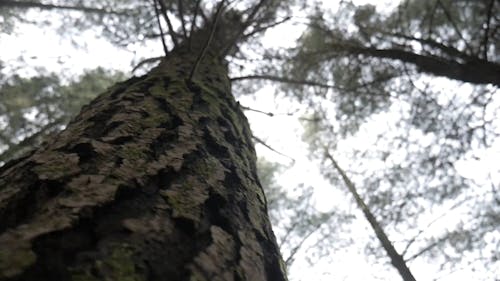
(405, 98)
(408, 102)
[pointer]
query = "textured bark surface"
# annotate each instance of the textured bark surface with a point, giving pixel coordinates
(154, 180)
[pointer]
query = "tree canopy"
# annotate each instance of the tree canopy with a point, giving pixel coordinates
(403, 100)
(417, 88)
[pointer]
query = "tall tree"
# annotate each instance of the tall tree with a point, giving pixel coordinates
(423, 79)
(154, 179)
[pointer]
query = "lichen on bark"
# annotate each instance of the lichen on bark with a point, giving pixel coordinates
(155, 179)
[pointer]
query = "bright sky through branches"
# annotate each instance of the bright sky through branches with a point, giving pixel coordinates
(44, 48)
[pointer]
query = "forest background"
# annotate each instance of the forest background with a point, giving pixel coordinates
(398, 101)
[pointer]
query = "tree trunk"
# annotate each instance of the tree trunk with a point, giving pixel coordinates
(153, 180)
(397, 260)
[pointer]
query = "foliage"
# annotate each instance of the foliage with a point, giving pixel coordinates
(32, 108)
(422, 77)
(300, 228)
(403, 128)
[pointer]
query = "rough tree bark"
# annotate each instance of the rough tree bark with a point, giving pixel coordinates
(153, 180)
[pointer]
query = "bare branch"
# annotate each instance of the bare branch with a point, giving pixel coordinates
(428, 248)
(171, 31)
(146, 61)
(431, 21)
(162, 34)
(264, 28)
(450, 19)
(193, 23)
(451, 51)
(209, 40)
(476, 71)
(415, 237)
(245, 25)
(181, 15)
(396, 259)
(290, 259)
(270, 114)
(258, 140)
(487, 29)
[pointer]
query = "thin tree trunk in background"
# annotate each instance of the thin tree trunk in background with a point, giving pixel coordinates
(396, 259)
(153, 180)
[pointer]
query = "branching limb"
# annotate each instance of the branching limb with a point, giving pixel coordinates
(264, 28)
(245, 25)
(209, 40)
(146, 61)
(476, 71)
(290, 259)
(193, 23)
(171, 31)
(258, 140)
(270, 114)
(162, 34)
(181, 15)
(489, 14)
(431, 20)
(453, 23)
(396, 259)
(451, 51)
(421, 231)
(426, 249)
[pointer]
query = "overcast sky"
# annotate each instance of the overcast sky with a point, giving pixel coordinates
(44, 48)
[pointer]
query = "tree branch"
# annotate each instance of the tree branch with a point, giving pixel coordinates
(209, 40)
(264, 28)
(451, 51)
(450, 19)
(415, 237)
(258, 140)
(157, 15)
(431, 21)
(193, 23)
(171, 31)
(476, 71)
(245, 25)
(487, 29)
(396, 259)
(290, 259)
(146, 61)
(428, 248)
(181, 15)
(270, 114)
